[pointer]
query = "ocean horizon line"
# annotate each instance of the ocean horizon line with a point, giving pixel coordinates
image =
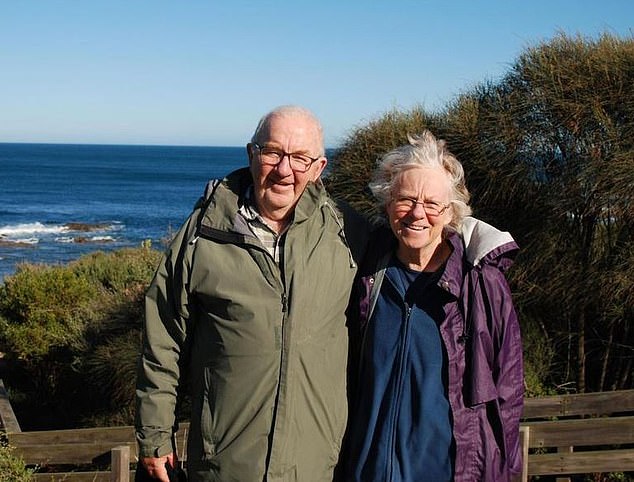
(115, 144)
(118, 144)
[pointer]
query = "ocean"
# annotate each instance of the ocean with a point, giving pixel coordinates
(60, 201)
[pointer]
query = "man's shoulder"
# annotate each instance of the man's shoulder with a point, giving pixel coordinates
(235, 182)
(350, 214)
(356, 228)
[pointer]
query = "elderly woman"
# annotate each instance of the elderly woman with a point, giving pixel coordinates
(440, 386)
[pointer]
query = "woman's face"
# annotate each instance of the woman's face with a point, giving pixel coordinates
(419, 209)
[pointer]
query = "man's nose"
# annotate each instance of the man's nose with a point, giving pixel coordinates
(284, 166)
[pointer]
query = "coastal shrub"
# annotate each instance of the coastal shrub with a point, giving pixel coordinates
(85, 319)
(112, 365)
(538, 358)
(42, 308)
(120, 270)
(12, 467)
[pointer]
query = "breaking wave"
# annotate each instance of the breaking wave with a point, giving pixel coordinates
(75, 232)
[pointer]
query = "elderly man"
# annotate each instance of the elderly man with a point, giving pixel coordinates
(248, 305)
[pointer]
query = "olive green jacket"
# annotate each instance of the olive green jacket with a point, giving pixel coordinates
(263, 347)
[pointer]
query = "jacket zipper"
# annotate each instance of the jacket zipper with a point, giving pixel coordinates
(398, 389)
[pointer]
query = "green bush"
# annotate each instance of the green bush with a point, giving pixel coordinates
(70, 329)
(12, 467)
(119, 271)
(42, 308)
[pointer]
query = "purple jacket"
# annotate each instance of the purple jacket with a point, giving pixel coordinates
(481, 336)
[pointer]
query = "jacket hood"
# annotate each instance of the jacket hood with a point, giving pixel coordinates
(484, 243)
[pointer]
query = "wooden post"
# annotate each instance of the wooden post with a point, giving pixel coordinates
(525, 432)
(120, 464)
(8, 420)
(564, 450)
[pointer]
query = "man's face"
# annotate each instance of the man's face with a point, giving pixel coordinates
(278, 188)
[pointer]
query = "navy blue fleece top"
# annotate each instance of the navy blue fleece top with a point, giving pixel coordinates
(402, 430)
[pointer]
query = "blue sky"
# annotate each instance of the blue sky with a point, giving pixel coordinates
(203, 72)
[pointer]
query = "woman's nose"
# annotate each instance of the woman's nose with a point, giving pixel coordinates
(418, 211)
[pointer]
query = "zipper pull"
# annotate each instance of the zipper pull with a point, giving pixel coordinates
(284, 303)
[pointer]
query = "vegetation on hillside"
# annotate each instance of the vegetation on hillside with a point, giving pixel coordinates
(70, 336)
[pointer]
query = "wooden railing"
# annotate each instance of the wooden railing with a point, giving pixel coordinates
(112, 448)
(561, 435)
(578, 434)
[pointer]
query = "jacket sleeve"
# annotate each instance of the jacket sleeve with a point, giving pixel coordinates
(508, 372)
(163, 342)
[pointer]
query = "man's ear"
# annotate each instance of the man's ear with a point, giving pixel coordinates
(319, 167)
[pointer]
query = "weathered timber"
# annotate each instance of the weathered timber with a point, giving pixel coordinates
(584, 432)
(561, 435)
(8, 420)
(82, 445)
(77, 477)
(600, 403)
(581, 462)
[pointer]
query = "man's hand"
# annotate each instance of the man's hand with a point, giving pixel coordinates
(155, 466)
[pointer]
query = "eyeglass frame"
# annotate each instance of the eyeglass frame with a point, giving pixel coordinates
(413, 202)
(282, 154)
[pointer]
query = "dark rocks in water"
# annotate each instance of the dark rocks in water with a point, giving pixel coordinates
(15, 244)
(84, 240)
(86, 227)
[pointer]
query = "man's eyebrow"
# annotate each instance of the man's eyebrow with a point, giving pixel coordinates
(274, 145)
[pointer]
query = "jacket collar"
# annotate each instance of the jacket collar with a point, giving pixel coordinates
(223, 201)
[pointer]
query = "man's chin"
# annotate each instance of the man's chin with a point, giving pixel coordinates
(279, 200)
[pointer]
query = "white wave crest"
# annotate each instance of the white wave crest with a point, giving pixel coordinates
(64, 239)
(30, 229)
(26, 240)
(84, 239)
(102, 239)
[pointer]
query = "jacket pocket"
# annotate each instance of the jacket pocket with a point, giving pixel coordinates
(207, 418)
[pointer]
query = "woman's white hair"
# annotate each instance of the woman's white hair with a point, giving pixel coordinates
(423, 150)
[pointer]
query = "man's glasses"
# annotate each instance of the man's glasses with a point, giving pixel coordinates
(272, 157)
(431, 208)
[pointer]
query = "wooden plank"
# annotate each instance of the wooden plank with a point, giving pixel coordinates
(8, 420)
(77, 477)
(602, 403)
(581, 432)
(581, 462)
(74, 453)
(542, 407)
(599, 403)
(113, 435)
(81, 446)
